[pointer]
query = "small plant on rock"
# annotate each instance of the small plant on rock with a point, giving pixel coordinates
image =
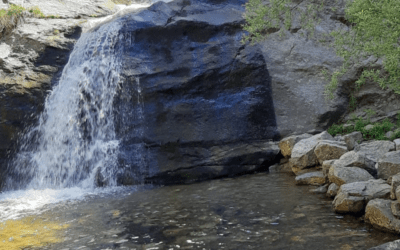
(37, 12)
(369, 113)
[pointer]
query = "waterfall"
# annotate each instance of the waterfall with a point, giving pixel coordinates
(75, 140)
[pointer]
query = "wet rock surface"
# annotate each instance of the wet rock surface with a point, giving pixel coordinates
(312, 178)
(250, 212)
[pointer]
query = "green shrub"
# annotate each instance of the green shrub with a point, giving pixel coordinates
(335, 130)
(9, 18)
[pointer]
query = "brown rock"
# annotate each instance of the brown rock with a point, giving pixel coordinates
(332, 190)
(312, 178)
(379, 214)
(329, 150)
(286, 145)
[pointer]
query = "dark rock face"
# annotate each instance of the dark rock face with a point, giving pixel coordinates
(203, 94)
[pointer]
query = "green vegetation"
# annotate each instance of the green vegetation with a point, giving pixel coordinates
(375, 31)
(377, 132)
(10, 17)
(126, 2)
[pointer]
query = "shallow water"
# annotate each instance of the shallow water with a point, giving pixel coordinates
(262, 211)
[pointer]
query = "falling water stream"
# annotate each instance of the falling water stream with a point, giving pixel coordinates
(53, 179)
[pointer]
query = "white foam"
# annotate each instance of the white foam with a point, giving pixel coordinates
(21, 203)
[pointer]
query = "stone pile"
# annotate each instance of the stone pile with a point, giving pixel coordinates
(361, 176)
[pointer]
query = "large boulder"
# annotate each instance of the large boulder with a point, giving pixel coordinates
(312, 178)
(379, 214)
(374, 150)
(388, 164)
(286, 144)
(303, 154)
(356, 159)
(328, 150)
(353, 197)
(342, 175)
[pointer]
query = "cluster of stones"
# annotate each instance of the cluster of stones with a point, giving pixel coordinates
(361, 176)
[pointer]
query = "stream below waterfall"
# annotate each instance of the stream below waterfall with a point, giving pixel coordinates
(261, 211)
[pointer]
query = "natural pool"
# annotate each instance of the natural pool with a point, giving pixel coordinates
(261, 211)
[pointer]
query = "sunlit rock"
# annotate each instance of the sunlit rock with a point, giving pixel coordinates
(303, 154)
(286, 145)
(329, 150)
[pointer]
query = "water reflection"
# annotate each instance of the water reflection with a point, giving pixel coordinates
(263, 211)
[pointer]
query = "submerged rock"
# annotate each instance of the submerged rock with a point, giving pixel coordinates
(312, 178)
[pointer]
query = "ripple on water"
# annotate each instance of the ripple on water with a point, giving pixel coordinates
(263, 211)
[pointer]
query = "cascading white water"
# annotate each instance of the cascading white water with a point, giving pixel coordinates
(75, 137)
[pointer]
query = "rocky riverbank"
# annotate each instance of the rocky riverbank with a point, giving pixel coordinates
(363, 177)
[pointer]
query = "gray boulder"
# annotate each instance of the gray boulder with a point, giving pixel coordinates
(353, 197)
(328, 150)
(379, 214)
(342, 175)
(388, 164)
(312, 178)
(303, 154)
(356, 159)
(286, 145)
(332, 190)
(353, 139)
(375, 149)
(397, 144)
